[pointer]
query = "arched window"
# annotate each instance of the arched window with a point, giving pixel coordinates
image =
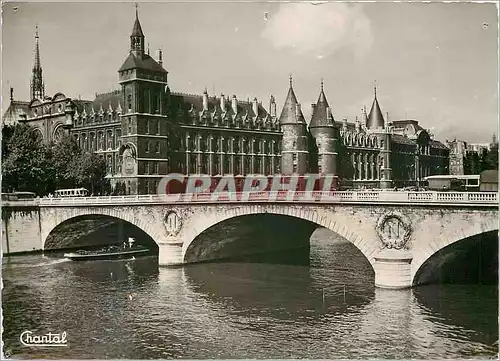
(110, 139)
(148, 146)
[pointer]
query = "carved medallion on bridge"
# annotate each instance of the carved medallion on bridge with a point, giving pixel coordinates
(173, 223)
(394, 230)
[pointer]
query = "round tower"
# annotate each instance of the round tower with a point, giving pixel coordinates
(323, 129)
(294, 153)
(375, 123)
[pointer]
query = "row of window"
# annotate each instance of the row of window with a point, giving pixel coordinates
(102, 140)
(201, 164)
(238, 144)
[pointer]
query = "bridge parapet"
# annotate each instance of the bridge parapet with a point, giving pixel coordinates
(347, 197)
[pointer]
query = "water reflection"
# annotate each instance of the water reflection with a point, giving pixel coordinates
(278, 291)
(130, 309)
(472, 307)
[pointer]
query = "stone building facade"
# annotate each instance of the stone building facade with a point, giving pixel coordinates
(371, 153)
(144, 131)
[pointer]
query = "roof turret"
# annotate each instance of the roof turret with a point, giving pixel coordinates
(291, 112)
(375, 118)
(321, 116)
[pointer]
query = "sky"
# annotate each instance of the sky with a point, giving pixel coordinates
(433, 62)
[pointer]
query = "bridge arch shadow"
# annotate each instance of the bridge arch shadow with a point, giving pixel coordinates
(470, 260)
(93, 230)
(262, 236)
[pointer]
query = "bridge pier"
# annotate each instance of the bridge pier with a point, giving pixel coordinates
(393, 269)
(170, 254)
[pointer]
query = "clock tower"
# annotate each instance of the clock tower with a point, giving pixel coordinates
(144, 153)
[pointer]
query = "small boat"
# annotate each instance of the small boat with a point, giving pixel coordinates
(109, 252)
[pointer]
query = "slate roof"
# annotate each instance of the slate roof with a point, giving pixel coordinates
(141, 62)
(375, 118)
(114, 98)
(437, 144)
(401, 139)
(289, 113)
(319, 117)
(14, 111)
(137, 29)
(186, 101)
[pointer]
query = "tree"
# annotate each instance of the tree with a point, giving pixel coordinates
(26, 161)
(89, 171)
(63, 154)
(489, 158)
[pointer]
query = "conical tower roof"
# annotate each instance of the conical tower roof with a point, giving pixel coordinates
(375, 118)
(291, 113)
(137, 30)
(321, 117)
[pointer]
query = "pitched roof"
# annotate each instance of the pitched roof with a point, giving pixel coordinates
(320, 115)
(188, 101)
(437, 144)
(14, 111)
(291, 112)
(401, 139)
(141, 62)
(375, 118)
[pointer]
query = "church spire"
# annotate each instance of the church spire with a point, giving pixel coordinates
(37, 87)
(137, 36)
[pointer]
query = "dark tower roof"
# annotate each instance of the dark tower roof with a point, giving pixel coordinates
(137, 58)
(320, 116)
(291, 112)
(375, 118)
(137, 30)
(145, 62)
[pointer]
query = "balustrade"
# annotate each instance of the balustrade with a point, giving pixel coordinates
(374, 197)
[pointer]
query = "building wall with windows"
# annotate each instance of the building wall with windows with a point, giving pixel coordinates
(144, 131)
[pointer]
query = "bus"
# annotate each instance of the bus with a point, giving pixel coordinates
(77, 192)
(18, 196)
(459, 183)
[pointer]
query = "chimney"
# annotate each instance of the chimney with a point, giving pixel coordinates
(313, 109)
(222, 102)
(297, 109)
(344, 123)
(160, 57)
(272, 106)
(234, 104)
(255, 106)
(205, 100)
(328, 113)
(357, 125)
(11, 94)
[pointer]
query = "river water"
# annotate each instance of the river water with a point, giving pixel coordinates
(330, 309)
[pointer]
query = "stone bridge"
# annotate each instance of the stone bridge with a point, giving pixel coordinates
(397, 232)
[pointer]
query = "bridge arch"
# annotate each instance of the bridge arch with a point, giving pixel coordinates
(58, 216)
(450, 236)
(327, 221)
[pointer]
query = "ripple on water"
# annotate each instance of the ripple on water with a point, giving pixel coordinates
(129, 309)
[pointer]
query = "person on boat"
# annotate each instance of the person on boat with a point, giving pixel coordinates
(130, 242)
